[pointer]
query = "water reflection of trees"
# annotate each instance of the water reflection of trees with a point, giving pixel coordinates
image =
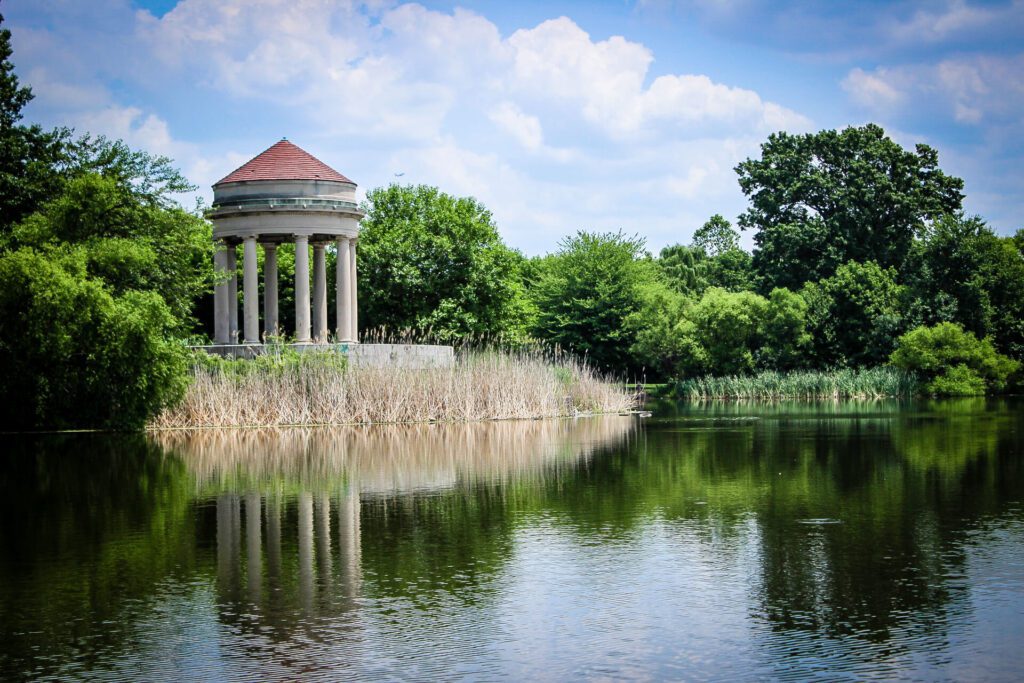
(387, 459)
(903, 486)
(87, 522)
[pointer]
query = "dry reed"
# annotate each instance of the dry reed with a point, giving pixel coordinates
(320, 390)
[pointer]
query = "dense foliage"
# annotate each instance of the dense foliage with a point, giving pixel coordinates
(953, 362)
(100, 275)
(723, 333)
(430, 261)
(77, 355)
(585, 292)
(820, 200)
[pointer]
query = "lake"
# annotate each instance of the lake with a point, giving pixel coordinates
(722, 541)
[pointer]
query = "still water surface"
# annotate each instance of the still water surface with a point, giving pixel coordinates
(785, 541)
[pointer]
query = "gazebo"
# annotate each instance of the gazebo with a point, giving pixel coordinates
(284, 194)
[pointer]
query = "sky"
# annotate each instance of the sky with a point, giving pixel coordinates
(557, 116)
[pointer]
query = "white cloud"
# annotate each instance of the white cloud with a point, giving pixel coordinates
(971, 89)
(931, 25)
(524, 128)
(557, 60)
(873, 91)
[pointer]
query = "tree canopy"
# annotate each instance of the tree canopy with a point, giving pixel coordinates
(100, 274)
(822, 199)
(431, 261)
(585, 293)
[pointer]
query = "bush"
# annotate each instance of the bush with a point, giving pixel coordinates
(75, 355)
(953, 362)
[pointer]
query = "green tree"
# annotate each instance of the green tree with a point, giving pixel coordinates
(820, 200)
(689, 270)
(854, 316)
(76, 355)
(731, 270)
(963, 272)
(430, 260)
(726, 327)
(785, 339)
(684, 268)
(587, 290)
(31, 159)
(952, 361)
(134, 242)
(716, 236)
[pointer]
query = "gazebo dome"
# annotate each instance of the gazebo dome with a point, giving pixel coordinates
(283, 192)
(283, 161)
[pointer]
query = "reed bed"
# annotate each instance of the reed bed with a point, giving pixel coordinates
(321, 389)
(871, 383)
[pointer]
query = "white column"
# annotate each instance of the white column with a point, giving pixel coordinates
(251, 291)
(319, 293)
(233, 293)
(301, 288)
(269, 290)
(221, 321)
(343, 290)
(354, 313)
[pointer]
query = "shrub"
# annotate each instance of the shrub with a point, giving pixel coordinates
(953, 362)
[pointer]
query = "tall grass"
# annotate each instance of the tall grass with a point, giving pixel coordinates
(321, 388)
(878, 382)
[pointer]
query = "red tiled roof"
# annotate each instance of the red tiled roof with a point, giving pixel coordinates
(283, 161)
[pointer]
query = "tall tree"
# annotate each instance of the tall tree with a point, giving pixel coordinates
(428, 260)
(587, 290)
(819, 200)
(31, 159)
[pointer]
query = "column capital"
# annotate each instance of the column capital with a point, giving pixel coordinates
(269, 246)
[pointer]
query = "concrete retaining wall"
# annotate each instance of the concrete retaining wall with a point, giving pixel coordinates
(376, 355)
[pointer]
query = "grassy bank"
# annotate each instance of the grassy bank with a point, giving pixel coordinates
(869, 383)
(318, 389)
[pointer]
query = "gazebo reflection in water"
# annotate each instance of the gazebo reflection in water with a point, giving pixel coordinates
(293, 506)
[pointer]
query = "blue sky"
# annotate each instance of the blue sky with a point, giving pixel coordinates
(557, 116)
